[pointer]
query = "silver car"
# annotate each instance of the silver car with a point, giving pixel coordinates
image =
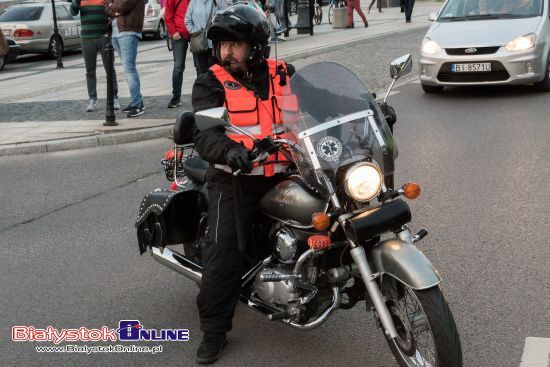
(31, 25)
(153, 23)
(483, 42)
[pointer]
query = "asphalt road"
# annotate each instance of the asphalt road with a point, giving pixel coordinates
(70, 256)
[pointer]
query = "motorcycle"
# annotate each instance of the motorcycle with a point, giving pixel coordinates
(331, 234)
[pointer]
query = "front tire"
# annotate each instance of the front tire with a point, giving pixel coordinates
(3, 62)
(427, 331)
(432, 89)
(161, 31)
(53, 46)
(544, 85)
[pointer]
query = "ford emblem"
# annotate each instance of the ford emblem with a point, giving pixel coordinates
(470, 50)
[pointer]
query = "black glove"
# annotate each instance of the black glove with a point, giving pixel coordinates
(389, 114)
(237, 159)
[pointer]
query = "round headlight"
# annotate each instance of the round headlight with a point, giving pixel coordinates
(363, 181)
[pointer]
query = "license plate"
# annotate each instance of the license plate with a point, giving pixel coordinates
(6, 32)
(471, 68)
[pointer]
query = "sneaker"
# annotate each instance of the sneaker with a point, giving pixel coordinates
(116, 104)
(134, 112)
(129, 107)
(211, 347)
(92, 105)
(174, 102)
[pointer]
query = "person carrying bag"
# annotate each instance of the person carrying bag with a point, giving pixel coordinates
(197, 18)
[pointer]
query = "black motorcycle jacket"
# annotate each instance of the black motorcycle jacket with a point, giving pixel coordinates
(213, 144)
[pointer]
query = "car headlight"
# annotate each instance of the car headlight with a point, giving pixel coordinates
(430, 47)
(522, 43)
(363, 181)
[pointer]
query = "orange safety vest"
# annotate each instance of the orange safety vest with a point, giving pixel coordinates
(257, 117)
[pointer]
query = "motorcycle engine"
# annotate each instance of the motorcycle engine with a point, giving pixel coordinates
(282, 292)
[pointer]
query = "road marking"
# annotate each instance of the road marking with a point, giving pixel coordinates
(536, 353)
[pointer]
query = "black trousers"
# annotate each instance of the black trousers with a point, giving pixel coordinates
(222, 261)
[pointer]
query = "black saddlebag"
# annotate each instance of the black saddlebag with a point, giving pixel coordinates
(170, 217)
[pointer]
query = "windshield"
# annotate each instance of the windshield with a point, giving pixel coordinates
(21, 13)
(490, 9)
(334, 121)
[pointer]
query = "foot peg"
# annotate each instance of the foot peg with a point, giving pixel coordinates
(277, 316)
(420, 235)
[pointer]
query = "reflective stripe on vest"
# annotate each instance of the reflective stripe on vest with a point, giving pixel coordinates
(250, 113)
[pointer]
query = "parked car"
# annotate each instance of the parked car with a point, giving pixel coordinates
(154, 20)
(31, 26)
(480, 42)
(14, 50)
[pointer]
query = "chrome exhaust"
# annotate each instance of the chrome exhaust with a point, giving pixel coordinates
(177, 262)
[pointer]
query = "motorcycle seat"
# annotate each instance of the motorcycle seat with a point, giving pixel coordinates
(195, 168)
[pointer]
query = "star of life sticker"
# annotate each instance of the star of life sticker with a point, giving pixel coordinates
(329, 149)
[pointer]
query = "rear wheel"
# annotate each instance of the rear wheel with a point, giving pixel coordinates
(431, 89)
(2, 62)
(330, 13)
(161, 31)
(544, 85)
(318, 15)
(55, 45)
(427, 334)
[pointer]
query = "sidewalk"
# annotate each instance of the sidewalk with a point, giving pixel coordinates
(42, 108)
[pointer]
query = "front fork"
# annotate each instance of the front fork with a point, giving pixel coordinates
(369, 278)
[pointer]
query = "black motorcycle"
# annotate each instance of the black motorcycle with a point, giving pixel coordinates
(335, 229)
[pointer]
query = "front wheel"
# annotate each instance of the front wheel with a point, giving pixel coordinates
(427, 333)
(318, 14)
(2, 62)
(544, 84)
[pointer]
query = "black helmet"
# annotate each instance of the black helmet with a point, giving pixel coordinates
(241, 22)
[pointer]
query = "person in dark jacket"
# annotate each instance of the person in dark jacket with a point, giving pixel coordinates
(174, 16)
(127, 26)
(244, 76)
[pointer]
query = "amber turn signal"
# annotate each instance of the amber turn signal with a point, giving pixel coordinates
(411, 190)
(320, 221)
(318, 242)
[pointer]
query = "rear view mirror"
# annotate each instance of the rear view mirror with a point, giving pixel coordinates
(401, 66)
(213, 117)
(432, 17)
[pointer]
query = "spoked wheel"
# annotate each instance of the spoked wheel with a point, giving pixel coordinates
(330, 13)
(318, 15)
(427, 334)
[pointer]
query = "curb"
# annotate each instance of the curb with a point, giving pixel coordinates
(87, 142)
(156, 132)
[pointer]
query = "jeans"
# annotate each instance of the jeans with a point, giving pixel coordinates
(279, 12)
(90, 48)
(126, 47)
(202, 61)
(409, 9)
(179, 50)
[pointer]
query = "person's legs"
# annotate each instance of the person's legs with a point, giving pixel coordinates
(202, 61)
(101, 46)
(359, 11)
(179, 50)
(408, 12)
(128, 52)
(89, 53)
(279, 12)
(351, 5)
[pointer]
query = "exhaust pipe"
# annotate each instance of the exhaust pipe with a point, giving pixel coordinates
(178, 263)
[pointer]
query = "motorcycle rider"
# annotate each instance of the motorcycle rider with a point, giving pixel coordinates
(250, 86)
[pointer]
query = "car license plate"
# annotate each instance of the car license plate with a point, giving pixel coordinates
(6, 32)
(471, 68)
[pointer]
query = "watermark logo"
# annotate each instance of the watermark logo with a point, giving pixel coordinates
(132, 330)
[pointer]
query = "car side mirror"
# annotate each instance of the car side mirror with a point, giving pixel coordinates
(213, 117)
(432, 17)
(401, 66)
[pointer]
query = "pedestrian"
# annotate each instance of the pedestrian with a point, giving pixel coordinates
(197, 18)
(93, 27)
(355, 4)
(246, 82)
(378, 5)
(403, 5)
(174, 17)
(409, 10)
(127, 26)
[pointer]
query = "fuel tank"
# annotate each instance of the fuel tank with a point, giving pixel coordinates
(289, 202)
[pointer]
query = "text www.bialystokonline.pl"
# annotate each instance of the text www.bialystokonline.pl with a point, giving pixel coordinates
(89, 349)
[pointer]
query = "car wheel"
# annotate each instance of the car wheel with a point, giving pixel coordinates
(431, 89)
(52, 47)
(2, 62)
(544, 85)
(161, 31)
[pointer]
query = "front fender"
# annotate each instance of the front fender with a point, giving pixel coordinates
(405, 263)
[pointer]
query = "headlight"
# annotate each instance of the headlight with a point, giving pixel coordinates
(363, 181)
(522, 43)
(430, 47)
